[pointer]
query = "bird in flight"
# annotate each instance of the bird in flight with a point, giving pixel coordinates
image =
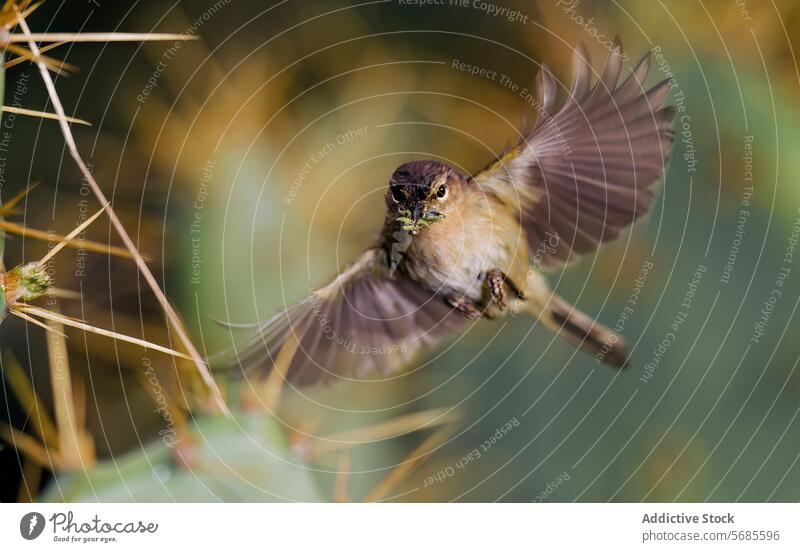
(455, 248)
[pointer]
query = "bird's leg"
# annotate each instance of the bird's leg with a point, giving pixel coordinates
(464, 306)
(497, 296)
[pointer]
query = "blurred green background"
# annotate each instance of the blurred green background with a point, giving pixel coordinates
(218, 155)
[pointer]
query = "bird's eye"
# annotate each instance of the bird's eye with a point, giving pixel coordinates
(441, 191)
(397, 194)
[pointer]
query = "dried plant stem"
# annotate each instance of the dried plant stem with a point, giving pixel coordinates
(29, 482)
(31, 320)
(32, 448)
(63, 243)
(140, 263)
(277, 378)
(86, 245)
(55, 65)
(94, 37)
(24, 5)
(21, 308)
(9, 205)
(41, 114)
(383, 430)
(410, 463)
(75, 447)
(65, 294)
(29, 400)
(21, 59)
(342, 473)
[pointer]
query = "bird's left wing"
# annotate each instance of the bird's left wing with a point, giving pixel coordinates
(367, 321)
(586, 170)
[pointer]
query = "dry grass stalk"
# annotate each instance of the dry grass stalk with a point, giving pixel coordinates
(11, 10)
(29, 446)
(342, 476)
(29, 483)
(75, 445)
(86, 245)
(7, 208)
(56, 66)
(267, 395)
(65, 444)
(401, 425)
(63, 38)
(65, 294)
(23, 59)
(41, 114)
(410, 463)
(29, 400)
(20, 195)
(30, 320)
(75, 232)
(45, 314)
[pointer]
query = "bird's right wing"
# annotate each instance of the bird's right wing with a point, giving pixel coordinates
(363, 323)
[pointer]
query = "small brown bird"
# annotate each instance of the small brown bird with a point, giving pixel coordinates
(455, 248)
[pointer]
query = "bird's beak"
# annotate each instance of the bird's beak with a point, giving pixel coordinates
(415, 213)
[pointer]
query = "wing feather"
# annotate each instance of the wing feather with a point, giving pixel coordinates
(546, 89)
(364, 323)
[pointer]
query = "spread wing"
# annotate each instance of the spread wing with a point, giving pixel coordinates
(586, 171)
(364, 322)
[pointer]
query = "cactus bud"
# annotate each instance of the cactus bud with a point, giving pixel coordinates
(25, 283)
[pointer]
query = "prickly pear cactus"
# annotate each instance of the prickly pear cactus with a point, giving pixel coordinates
(241, 459)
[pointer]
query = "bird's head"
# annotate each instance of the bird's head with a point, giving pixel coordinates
(419, 194)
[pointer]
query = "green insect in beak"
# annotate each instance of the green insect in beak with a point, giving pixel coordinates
(414, 225)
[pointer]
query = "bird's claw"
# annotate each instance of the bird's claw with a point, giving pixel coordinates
(464, 307)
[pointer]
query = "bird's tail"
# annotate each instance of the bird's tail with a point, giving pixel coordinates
(577, 327)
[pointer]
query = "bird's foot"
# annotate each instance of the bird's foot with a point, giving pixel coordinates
(495, 282)
(464, 306)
